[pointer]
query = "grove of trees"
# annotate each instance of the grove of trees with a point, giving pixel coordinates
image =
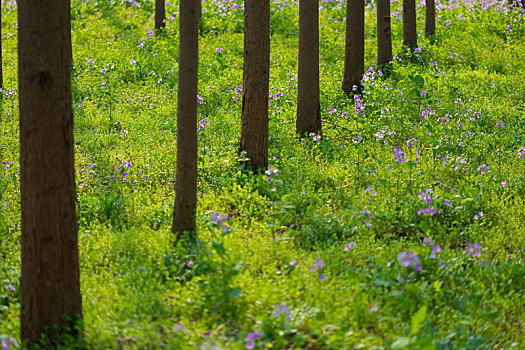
(50, 284)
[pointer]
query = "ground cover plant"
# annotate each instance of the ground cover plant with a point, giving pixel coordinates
(401, 226)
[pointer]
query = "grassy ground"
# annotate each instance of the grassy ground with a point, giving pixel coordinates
(401, 227)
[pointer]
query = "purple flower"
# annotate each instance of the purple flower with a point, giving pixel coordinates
(11, 287)
(7, 341)
(435, 250)
(349, 245)
(251, 338)
(369, 189)
(318, 264)
(409, 259)
(322, 277)
(292, 263)
(366, 212)
(427, 240)
(218, 218)
(426, 195)
(399, 156)
(219, 50)
(281, 309)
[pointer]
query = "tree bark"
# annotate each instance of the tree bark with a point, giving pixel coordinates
(50, 285)
(308, 104)
(354, 67)
(160, 14)
(409, 24)
(256, 82)
(430, 18)
(186, 181)
(384, 33)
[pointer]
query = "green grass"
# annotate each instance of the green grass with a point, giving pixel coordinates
(143, 290)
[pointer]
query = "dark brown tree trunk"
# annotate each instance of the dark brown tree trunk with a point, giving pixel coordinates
(50, 285)
(354, 67)
(160, 14)
(256, 82)
(308, 105)
(384, 33)
(186, 181)
(409, 24)
(430, 18)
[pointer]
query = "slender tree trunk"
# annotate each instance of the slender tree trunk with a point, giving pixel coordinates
(430, 18)
(308, 105)
(256, 82)
(409, 24)
(186, 181)
(160, 14)
(355, 46)
(384, 33)
(50, 285)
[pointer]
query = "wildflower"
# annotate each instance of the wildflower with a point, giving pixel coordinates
(499, 123)
(369, 189)
(435, 250)
(292, 263)
(482, 168)
(281, 309)
(202, 122)
(349, 245)
(179, 327)
(373, 308)
(7, 341)
(410, 259)
(219, 50)
(504, 183)
(251, 338)
(218, 218)
(11, 287)
(271, 170)
(426, 195)
(429, 210)
(399, 156)
(366, 212)
(322, 277)
(133, 62)
(318, 264)
(427, 240)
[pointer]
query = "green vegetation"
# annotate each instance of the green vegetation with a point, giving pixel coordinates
(402, 226)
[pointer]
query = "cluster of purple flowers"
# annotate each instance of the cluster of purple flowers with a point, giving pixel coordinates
(399, 155)
(410, 259)
(220, 220)
(126, 164)
(319, 265)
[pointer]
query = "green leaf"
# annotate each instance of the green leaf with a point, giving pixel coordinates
(417, 319)
(219, 248)
(401, 343)
(234, 293)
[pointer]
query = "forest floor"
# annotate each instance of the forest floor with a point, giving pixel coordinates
(402, 226)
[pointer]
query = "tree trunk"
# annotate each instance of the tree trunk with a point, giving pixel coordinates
(256, 82)
(384, 33)
(50, 285)
(160, 14)
(308, 105)
(409, 24)
(430, 18)
(355, 46)
(186, 180)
